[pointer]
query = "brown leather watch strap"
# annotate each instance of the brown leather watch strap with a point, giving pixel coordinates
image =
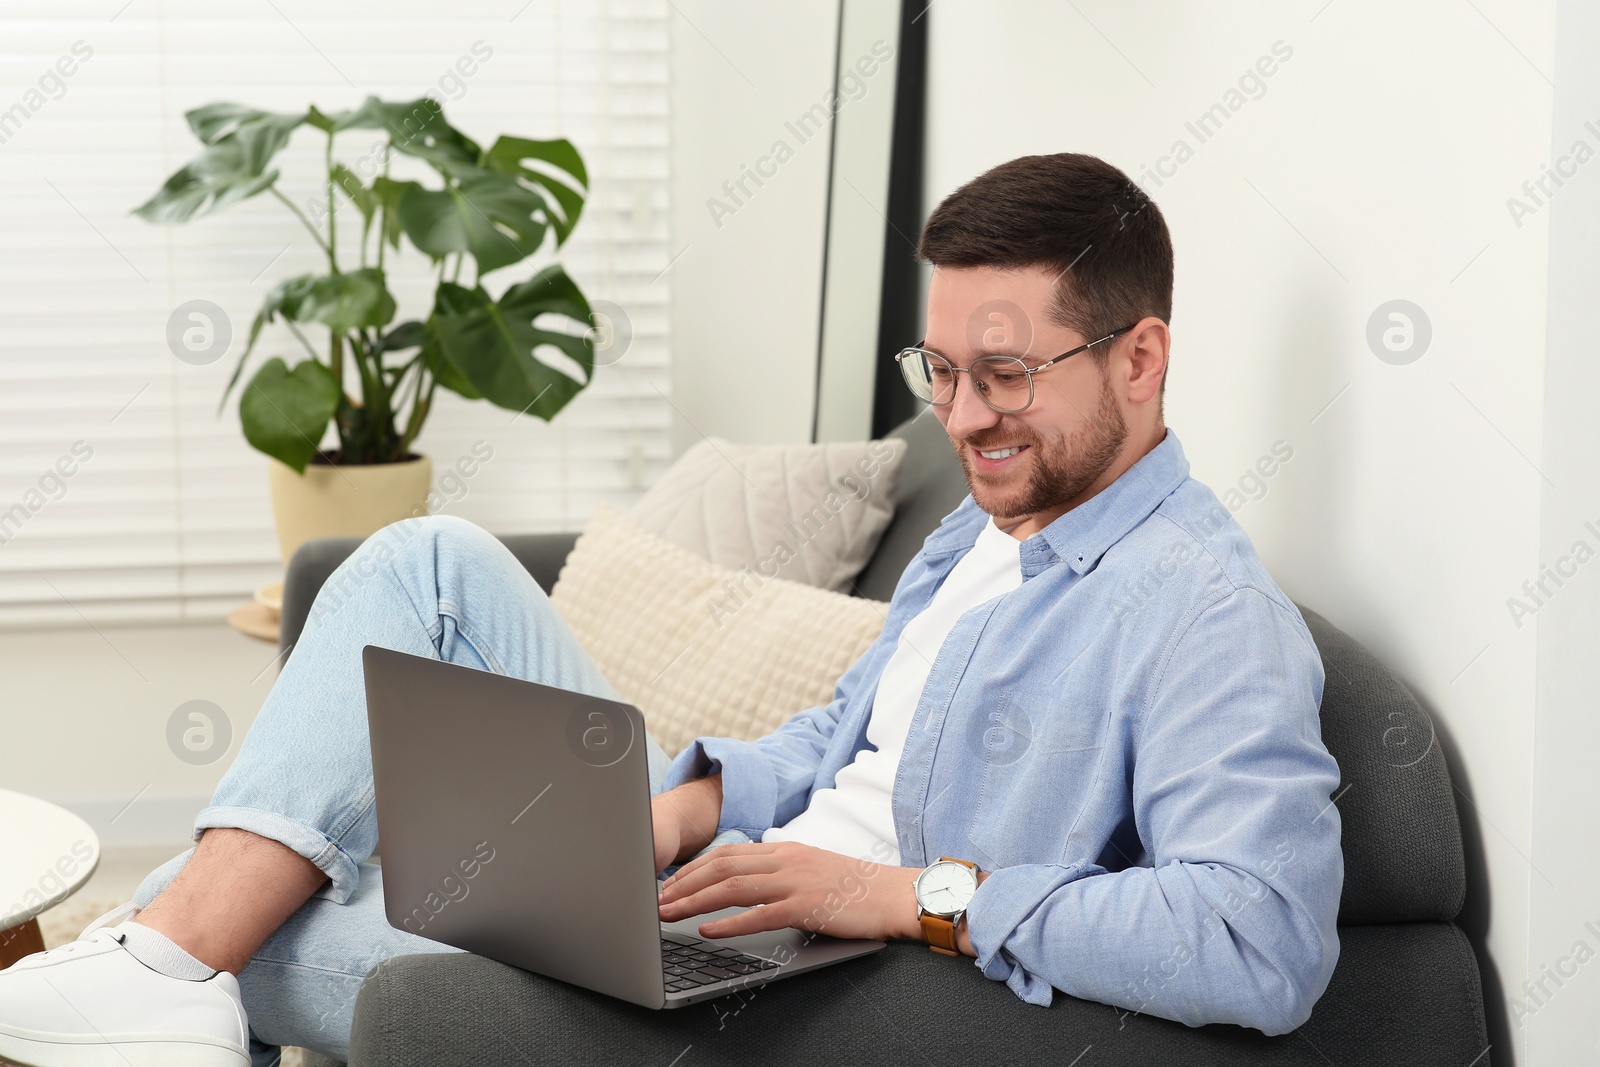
(939, 932)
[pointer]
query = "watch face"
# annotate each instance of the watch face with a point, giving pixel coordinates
(946, 887)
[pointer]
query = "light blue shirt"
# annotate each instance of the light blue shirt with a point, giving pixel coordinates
(1128, 742)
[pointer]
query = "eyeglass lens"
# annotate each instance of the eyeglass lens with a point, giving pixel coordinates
(1001, 381)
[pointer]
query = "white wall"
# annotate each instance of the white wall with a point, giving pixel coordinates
(1564, 934)
(88, 711)
(1374, 165)
(746, 285)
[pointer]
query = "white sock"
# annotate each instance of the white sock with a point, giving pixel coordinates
(160, 953)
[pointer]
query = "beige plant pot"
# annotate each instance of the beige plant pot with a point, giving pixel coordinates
(344, 501)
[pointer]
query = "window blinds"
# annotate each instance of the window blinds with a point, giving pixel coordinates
(124, 496)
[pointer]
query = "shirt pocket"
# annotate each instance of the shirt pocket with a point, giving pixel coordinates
(1039, 751)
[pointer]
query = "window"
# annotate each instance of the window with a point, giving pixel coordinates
(123, 494)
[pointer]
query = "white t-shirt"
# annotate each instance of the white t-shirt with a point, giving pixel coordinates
(855, 816)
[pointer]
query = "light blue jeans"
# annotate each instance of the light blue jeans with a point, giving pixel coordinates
(435, 586)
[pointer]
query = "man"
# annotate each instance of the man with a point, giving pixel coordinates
(1088, 691)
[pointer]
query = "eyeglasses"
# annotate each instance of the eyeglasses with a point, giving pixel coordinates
(1005, 383)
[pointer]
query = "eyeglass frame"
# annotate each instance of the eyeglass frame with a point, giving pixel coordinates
(917, 349)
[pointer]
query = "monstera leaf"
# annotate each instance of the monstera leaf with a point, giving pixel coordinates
(509, 156)
(284, 412)
(494, 218)
(388, 193)
(492, 342)
(355, 300)
(409, 335)
(213, 122)
(365, 200)
(240, 145)
(417, 128)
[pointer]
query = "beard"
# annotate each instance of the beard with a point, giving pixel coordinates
(1064, 467)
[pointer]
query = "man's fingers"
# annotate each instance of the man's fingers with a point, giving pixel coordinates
(753, 848)
(735, 891)
(754, 921)
(720, 863)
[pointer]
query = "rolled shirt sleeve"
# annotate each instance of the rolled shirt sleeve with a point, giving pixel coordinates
(749, 781)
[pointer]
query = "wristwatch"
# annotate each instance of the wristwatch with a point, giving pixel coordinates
(944, 890)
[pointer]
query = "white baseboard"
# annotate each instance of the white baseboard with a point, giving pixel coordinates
(148, 820)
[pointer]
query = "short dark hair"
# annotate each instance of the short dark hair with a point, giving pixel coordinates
(1074, 215)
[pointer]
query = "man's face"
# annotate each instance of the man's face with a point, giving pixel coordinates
(1039, 463)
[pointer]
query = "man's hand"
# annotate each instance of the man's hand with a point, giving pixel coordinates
(685, 819)
(801, 886)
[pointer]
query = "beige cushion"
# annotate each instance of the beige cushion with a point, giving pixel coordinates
(807, 513)
(700, 649)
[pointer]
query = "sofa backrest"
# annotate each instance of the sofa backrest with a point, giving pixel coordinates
(1401, 837)
(929, 487)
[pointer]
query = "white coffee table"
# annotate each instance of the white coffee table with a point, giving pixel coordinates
(46, 854)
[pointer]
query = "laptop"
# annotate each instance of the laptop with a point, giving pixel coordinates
(515, 823)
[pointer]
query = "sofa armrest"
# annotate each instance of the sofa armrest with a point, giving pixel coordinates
(541, 554)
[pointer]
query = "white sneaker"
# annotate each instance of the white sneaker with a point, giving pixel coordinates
(90, 1003)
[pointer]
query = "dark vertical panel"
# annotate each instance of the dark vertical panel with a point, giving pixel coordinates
(900, 311)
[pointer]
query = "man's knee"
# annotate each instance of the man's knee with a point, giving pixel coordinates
(435, 527)
(424, 536)
(430, 535)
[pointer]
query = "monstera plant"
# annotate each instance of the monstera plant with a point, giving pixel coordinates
(374, 377)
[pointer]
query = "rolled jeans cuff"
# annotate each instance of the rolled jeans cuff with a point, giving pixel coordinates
(312, 844)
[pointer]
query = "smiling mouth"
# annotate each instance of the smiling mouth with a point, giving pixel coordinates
(1000, 453)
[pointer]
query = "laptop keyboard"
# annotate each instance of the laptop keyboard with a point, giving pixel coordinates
(690, 962)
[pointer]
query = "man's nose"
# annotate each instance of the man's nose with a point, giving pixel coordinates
(968, 413)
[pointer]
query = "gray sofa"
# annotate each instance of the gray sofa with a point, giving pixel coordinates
(1406, 989)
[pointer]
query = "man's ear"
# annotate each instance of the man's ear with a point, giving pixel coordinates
(1146, 348)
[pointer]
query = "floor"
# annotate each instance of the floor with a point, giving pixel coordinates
(119, 874)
